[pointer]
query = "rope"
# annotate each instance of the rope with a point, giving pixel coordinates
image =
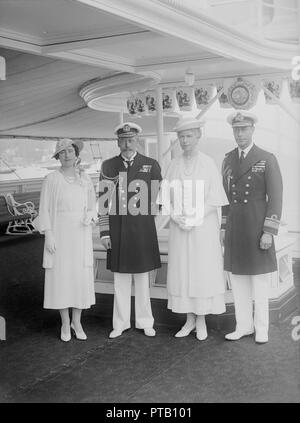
(10, 168)
(105, 177)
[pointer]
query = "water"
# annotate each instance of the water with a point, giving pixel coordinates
(36, 172)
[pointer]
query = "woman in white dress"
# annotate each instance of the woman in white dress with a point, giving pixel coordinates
(67, 210)
(195, 281)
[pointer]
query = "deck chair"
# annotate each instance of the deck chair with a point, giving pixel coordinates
(23, 214)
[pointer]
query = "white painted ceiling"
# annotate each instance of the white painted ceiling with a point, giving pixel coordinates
(53, 47)
(49, 21)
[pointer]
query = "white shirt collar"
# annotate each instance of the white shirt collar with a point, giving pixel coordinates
(131, 158)
(246, 150)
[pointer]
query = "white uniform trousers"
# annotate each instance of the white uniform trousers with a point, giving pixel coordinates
(122, 301)
(245, 289)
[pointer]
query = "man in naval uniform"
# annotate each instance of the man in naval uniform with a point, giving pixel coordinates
(253, 184)
(127, 229)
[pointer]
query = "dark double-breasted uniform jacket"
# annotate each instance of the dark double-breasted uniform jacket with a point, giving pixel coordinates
(130, 220)
(254, 191)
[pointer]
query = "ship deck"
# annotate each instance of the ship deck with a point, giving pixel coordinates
(37, 367)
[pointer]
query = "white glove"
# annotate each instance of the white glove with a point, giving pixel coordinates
(50, 242)
(178, 219)
(185, 227)
(222, 237)
(106, 242)
(266, 241)
(88, 218)
(181, 222)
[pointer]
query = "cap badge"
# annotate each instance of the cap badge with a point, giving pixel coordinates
(126, 128)
(239, 117)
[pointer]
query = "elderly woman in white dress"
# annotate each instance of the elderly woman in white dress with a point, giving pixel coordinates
(195, 281)
(67, 210)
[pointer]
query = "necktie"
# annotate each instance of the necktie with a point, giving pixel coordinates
(128, 163)
(242, 157)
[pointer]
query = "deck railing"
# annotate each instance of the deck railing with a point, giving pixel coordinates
(32, 184)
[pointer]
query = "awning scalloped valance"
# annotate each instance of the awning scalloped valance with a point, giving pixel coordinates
(136, 94)
(238, 93)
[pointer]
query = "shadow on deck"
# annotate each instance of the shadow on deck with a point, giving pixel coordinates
(37, 367)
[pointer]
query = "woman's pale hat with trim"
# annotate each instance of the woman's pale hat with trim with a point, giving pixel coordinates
(64, 143)
(185, 123)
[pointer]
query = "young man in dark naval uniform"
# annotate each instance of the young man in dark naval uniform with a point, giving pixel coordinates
(127, 229)
(253, 184)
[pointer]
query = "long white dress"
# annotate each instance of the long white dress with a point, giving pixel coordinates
(195, 281)
(69, 275)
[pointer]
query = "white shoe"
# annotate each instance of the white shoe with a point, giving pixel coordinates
(79, 334)
(234, 336)
(115, 333)
(66, 337)
(149, 332)
(185, 330)
(261, 338)
(201, 330)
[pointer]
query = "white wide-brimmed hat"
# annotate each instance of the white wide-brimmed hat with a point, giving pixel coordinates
(64, 143)
(188, 123)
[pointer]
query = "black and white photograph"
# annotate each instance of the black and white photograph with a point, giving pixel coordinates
(149, 205)
(203, 94)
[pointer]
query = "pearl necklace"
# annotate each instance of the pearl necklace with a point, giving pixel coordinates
(69, 179)
(188, 170)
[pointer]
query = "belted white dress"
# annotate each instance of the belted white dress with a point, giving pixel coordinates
(65, 209)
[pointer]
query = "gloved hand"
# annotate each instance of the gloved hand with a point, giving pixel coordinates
(266, 241)
(88, 218)
(181, 222)
(50, 242)
(106, 242)
(185, 227)
(222, 237)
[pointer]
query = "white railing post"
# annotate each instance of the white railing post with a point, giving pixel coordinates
(159, 124)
